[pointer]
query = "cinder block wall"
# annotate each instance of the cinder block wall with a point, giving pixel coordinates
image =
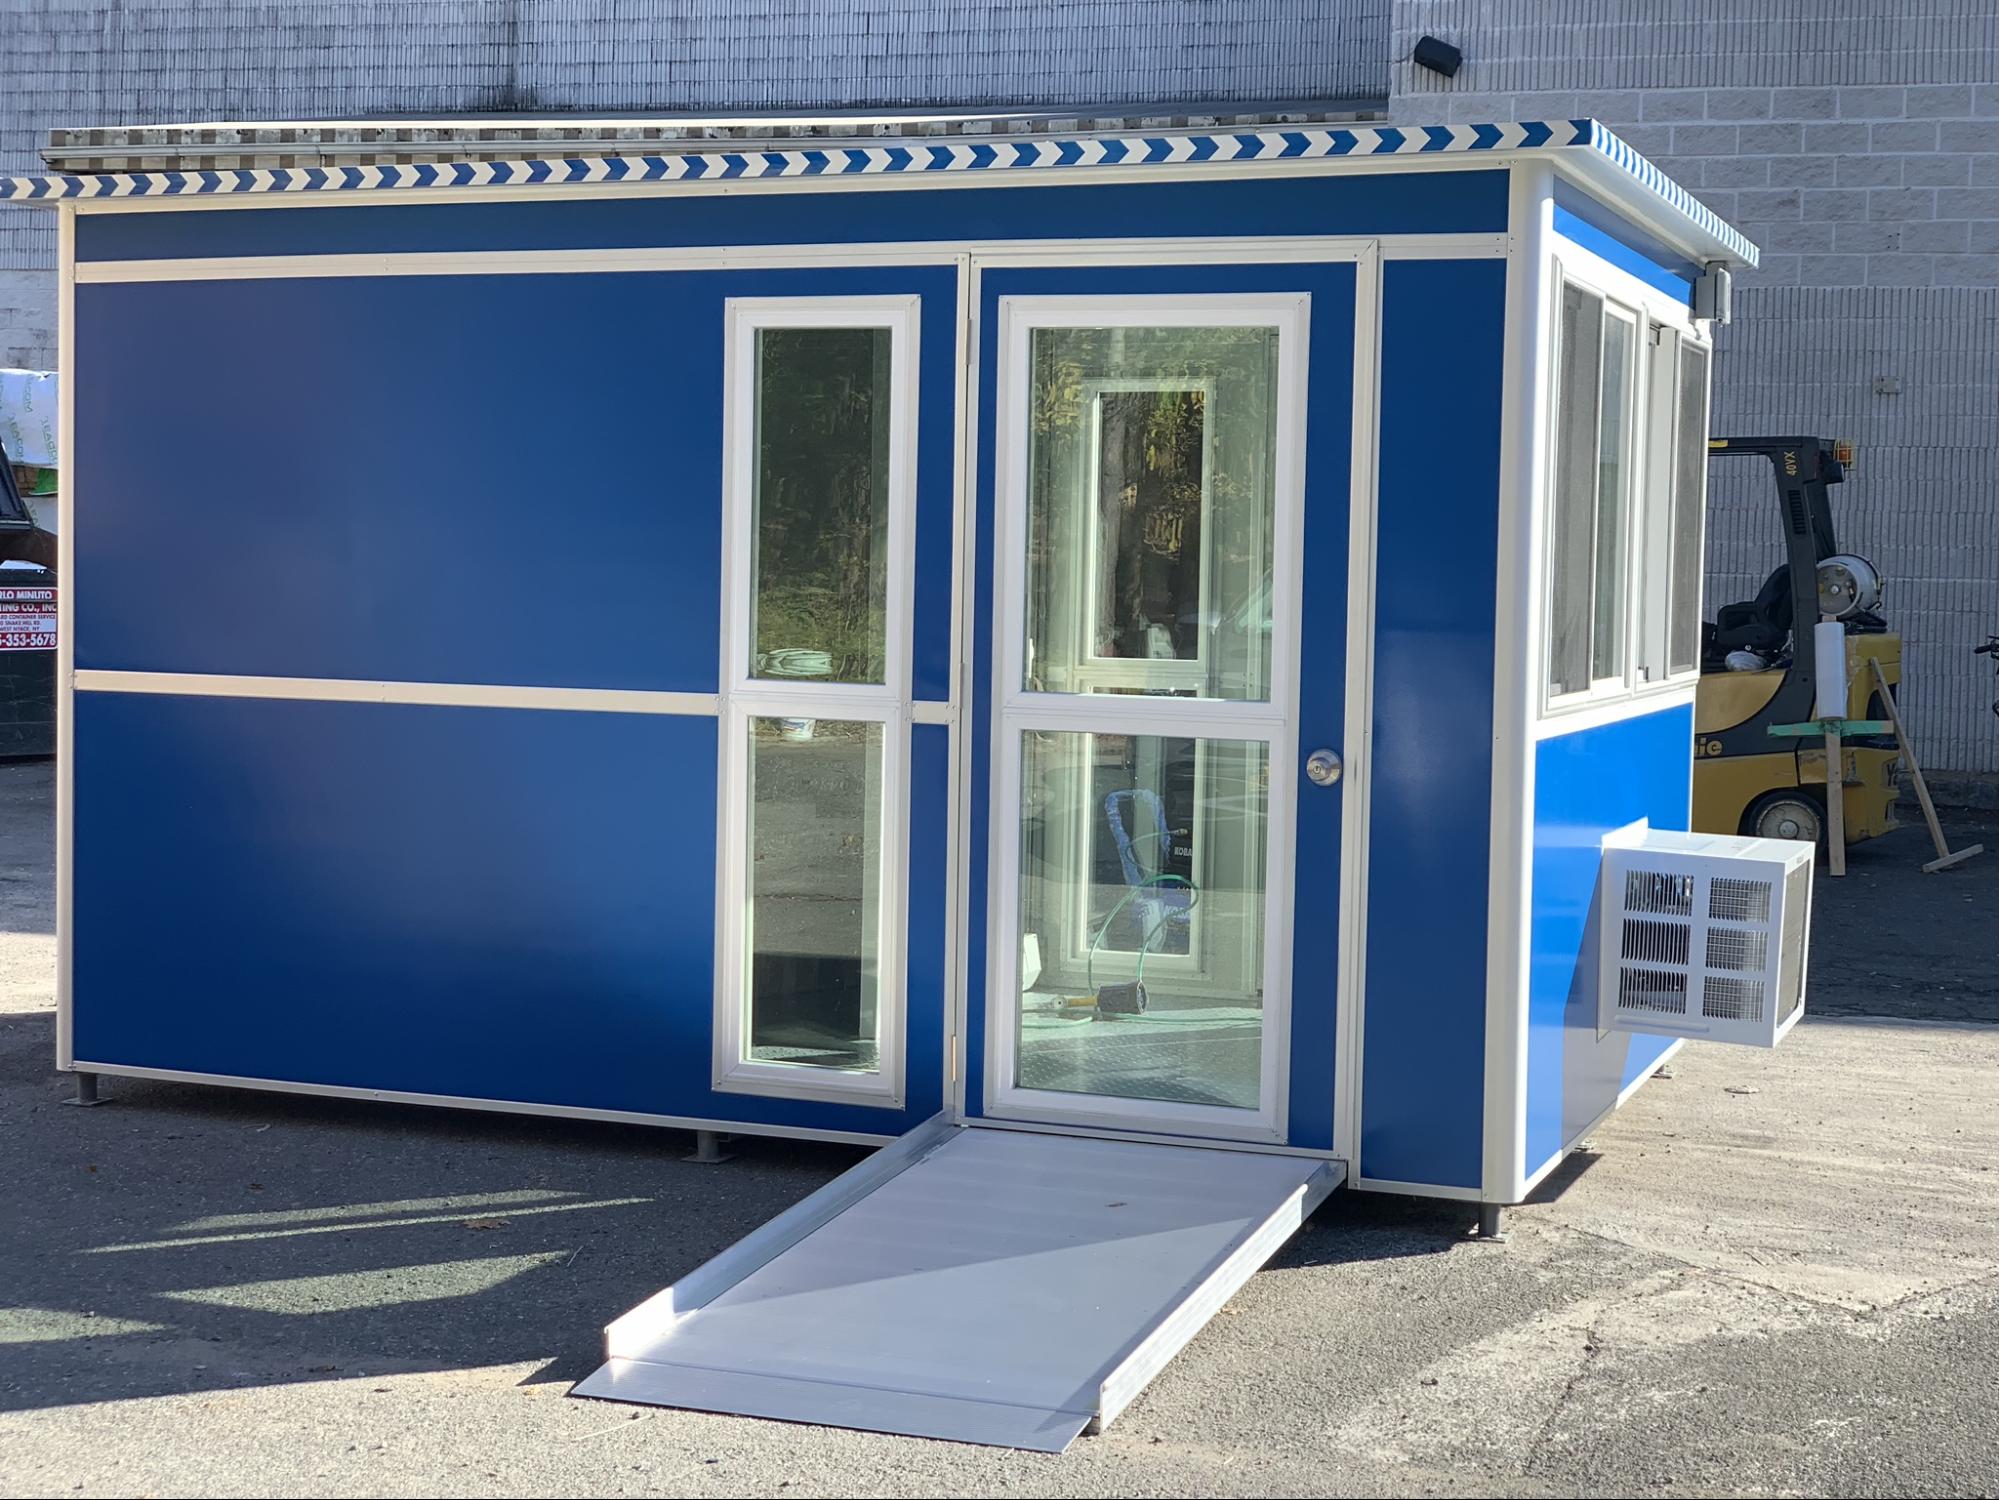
(1858, 144)
(82, 62)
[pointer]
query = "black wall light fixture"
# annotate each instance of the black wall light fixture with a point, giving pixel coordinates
(1438, 56)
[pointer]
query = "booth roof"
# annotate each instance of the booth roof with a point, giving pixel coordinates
(425, 157)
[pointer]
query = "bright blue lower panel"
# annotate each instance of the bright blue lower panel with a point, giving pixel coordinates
(1423, 1043)
(1585, 785)
(497, 904)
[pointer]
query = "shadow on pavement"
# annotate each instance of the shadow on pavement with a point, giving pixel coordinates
(184, 1238)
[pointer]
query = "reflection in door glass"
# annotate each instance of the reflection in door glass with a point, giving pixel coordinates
(1150, 509)
(1142, 916)
(820, 608)
(815, 892)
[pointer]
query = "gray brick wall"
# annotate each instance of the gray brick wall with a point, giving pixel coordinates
(97, 62)
(1858, 145)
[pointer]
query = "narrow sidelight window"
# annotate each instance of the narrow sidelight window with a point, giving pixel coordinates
(821, 433)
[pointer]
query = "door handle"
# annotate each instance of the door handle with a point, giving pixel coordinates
(1324, 767)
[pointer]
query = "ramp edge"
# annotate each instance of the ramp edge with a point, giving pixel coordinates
(629, 1336)
(860, 1408)
(1135, 1370)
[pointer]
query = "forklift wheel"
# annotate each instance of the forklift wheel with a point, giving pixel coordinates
(1786, 815)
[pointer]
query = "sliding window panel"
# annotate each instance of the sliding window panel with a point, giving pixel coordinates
(1572, 532)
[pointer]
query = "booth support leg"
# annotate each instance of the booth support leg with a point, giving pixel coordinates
(1492, 1223)
(86, 1091)
(707, 1148)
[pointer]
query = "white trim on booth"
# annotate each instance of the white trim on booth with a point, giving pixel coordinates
(362, 690)
(1516, 653)
(1135, 251)
(502, 1106)
(1357, 781)
(965, 859)
(65, 768)
(746, 696)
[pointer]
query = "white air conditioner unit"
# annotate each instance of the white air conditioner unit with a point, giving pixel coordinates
(1704, 935)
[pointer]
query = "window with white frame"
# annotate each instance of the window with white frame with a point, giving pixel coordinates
(820, 428)
(1626, 500)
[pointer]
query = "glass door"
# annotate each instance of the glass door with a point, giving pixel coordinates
(1148, 540)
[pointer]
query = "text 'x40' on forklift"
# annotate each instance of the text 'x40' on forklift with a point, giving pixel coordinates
(1757, 670)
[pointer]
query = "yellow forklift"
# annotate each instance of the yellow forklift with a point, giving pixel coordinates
(1757, 670)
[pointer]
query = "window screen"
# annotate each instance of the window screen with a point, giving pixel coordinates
(1571, 558)
(1689, 500)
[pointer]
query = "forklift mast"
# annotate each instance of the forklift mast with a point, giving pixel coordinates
(1805, 468)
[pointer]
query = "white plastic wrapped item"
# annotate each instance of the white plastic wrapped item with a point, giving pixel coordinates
(28, 416)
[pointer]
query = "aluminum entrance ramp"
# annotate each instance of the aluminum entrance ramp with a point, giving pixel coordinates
(985, 1286)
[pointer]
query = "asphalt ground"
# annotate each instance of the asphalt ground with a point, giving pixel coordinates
(1774, 1273)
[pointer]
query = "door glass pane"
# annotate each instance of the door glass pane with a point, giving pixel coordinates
(814, 921)
(1612, 508)
(1151, 506)
(820, 608)
(1572, 556)
(1142, 916)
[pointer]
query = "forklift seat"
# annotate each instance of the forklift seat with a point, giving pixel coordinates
(1762, 624)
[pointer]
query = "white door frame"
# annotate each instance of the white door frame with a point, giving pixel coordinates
(1273, 723)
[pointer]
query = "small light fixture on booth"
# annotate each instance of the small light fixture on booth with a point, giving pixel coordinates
(1438, 56)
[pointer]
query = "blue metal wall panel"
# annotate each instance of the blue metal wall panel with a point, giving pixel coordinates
(445, 479)
(1322, 670)
(1423, 1064)
(928, 973)
(1586, 784)
(935, 605)
(1329, 437)
(1470, 201)
(484, 903)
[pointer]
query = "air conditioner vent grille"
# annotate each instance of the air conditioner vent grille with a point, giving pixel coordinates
(1738, 948)
(1654, 942)
(1704, 936)
(1726, 999)
(1652, 891)
(1730, 900)
(1652, 991)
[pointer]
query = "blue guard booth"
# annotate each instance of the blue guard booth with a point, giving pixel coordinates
(1104, 654)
